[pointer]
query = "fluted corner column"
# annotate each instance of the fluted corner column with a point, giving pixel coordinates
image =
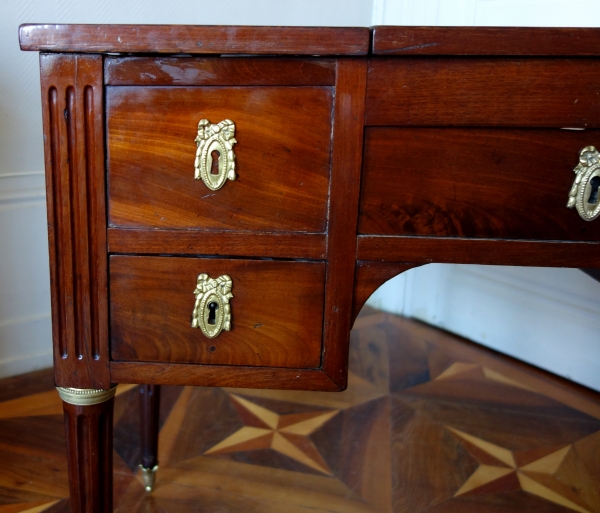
(89, 431)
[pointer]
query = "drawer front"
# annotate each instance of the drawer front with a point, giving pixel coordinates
(282, 158)
(276, 312)
(515, 92)
(473, 182)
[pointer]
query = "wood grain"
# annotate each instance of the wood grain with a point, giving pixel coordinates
(370, 276)
(390, 40)
(222, 243)
(72, 106)
(222, 375)
(213, 71)
(520, 92)
(276, 312)
(489, 183)
(343, 215)
(282, 158)
(195, 39)
(478, 251)
(89, 433)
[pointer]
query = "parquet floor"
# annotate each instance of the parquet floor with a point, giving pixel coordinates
(429, 423)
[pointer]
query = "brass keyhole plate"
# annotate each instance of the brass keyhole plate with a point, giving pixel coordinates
(583, 187)
(213, 138)
(212, 312)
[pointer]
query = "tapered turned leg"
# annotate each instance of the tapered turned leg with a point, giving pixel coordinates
(89, 430)
(150, 404)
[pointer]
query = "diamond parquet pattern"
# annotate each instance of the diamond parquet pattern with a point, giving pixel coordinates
(429, 423)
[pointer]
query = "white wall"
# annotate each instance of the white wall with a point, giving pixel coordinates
(547, 317)
(25, 336)
(519, 13)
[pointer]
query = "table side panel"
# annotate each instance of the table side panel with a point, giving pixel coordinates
(282, 158)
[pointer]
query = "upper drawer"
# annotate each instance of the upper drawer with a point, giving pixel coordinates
(480, 91)
(282, 158)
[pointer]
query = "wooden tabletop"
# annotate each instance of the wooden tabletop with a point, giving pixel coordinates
(389, 40)
(251, 40)
(194, 39)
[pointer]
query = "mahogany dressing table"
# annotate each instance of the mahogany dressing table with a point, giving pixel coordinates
(222, 200)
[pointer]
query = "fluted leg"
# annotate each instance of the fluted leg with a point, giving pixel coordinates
(149, 407)
(89, 430)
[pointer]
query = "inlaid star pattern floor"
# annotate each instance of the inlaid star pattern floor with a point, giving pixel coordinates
(286, 434)
(429, 423)
(503, 472)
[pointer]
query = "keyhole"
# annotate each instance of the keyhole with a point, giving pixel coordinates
(212, 314)
(595, 183)
(214, 168)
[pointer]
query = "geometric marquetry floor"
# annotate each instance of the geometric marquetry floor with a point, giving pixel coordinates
(429, 423)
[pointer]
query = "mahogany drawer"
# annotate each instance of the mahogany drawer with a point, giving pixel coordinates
(276, 311)
(282, 158)
(473, 182)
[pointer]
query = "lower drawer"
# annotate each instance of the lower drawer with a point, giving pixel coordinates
(473, 182)
(276, 311)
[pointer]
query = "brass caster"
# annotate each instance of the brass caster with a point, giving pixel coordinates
(148, 477)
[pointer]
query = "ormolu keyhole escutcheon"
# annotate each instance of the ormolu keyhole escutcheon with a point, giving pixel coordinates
(584, 192)
(212, 312)
(215, 159)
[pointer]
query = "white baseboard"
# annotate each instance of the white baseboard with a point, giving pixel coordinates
(25, 330)
(25, 345)
(22, 187)
(25, 364)
(549, 318)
